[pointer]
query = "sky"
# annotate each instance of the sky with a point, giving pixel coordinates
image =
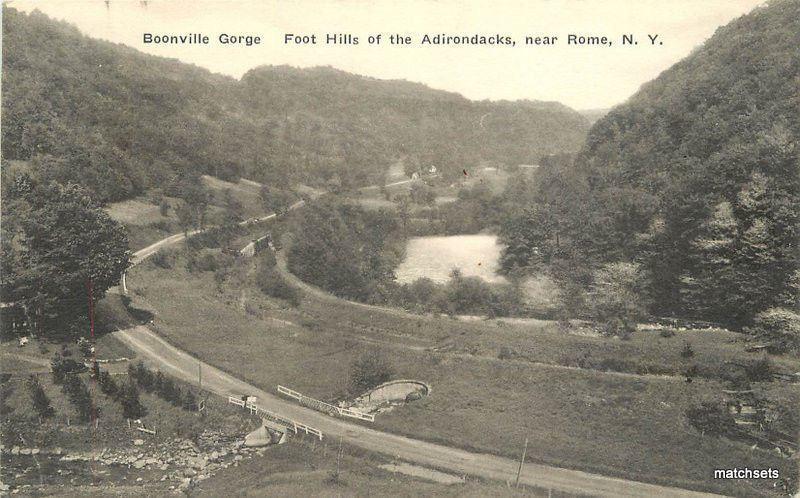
(582, 77)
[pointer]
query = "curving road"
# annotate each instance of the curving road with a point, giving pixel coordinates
(157, 352)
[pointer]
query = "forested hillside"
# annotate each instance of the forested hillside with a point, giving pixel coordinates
(696, 178)
(118, 121)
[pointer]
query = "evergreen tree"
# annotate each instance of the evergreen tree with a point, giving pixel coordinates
(107, 384)
(132, 407)
(190, 401)
(78, 394)
(708, 287)
(41, 403)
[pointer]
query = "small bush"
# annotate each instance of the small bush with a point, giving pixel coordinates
(41, 403)
(372, 368)
(710, 417)
(161, 225)
(132, 407)
(272, 283)
(78, 395)
(142, 376)
(779, 328)
(164, 259)
(107, 384)
(690, 372)
(616, 298)
(759, 370)
(85, 347)
(687, 351)
(62, 367)
(204, 262)
(190, 401)
(506, 353)
(666, 333)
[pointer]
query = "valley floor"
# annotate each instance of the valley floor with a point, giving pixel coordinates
(630, 426)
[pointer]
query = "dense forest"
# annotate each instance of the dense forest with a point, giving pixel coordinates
(117, 121)
(695, 180)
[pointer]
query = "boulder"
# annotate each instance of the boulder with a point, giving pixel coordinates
(258, 438)
(138, 442)
(186, 484)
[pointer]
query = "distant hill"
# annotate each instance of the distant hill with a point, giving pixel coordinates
(697, 176)
(592, 115)
(119, 121)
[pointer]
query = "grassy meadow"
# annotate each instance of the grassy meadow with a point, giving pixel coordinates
(494, 383)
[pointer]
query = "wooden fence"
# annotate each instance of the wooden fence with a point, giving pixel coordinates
(325, 407)
(290, 424)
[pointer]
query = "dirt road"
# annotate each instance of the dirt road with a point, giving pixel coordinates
(158, 353)
(171, 360)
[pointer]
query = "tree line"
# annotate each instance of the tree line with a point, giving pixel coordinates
(692, 187)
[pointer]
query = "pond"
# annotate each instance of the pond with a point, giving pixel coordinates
(436, 257)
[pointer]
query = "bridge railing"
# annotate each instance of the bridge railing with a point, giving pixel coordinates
(323, 406)
(290, 424)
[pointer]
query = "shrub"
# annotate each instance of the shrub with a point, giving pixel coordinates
(687, 351)
(666, 333)
(759, 370)
(62, 367)
(190, 401)
(616, 298)
(779, 327)
(272, 283)
(204, 262)
(691, 372)
(79, 396)
(164, 259)
(142, 376)
(107, 384)
(169, 391)
(369, 370)
(132, 407)
(711, 417)
(161, 225)
(41, 403)
(85, 347)
(267, 259)
(214, 238)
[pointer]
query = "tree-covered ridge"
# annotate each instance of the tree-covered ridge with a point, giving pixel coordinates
(118, 121)
(696, 177)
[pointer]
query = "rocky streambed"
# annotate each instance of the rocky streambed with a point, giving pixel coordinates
(173, 464)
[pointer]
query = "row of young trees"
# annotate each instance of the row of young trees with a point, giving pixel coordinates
(126, 394)
(162, 386)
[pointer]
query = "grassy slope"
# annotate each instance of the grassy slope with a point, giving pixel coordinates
(621, 425)
(145, 224)
(305, 470)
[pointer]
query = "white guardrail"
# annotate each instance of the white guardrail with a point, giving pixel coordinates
(290, 424)
(325, 407)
